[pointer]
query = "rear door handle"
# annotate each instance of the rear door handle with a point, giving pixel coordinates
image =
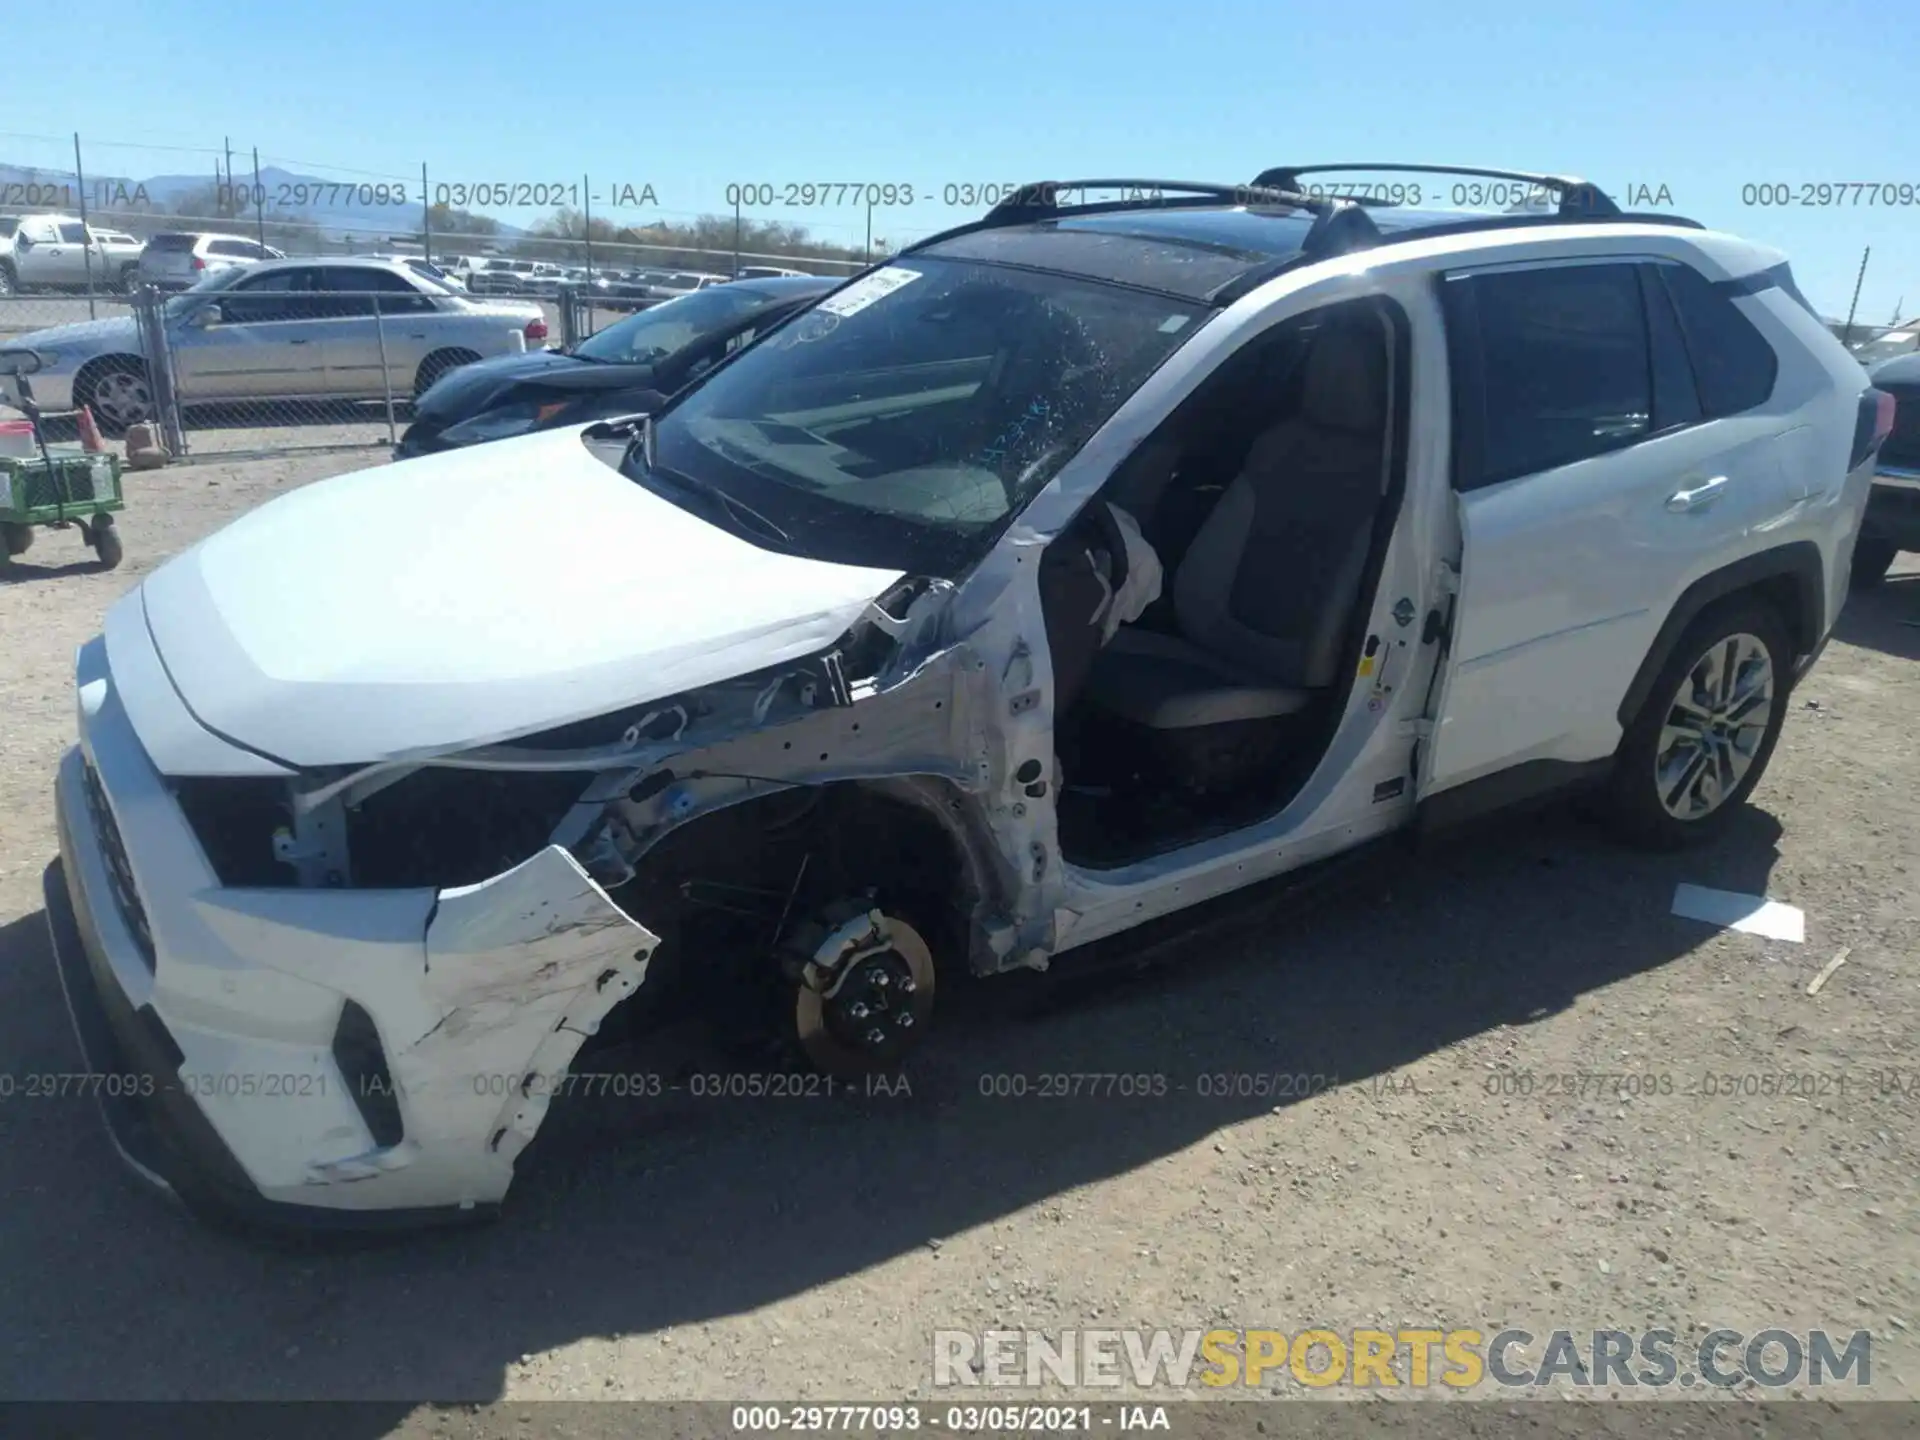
(300, 342)
(1699, 497)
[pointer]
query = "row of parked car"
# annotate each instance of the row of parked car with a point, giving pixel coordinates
(64, 252)
(614, 289)
(358, 329)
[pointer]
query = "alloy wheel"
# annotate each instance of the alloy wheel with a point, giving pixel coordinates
(1715, 726)
(122, 398)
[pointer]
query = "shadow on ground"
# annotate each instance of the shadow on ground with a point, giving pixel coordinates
(51, 564)
(1885, 618)
(630, 1216)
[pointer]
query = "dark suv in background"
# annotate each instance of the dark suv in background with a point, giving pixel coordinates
(1893, 514)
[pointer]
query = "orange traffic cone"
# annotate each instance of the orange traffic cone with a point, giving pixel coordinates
(90, 440)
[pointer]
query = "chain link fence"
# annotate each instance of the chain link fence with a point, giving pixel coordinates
(39, 321)
(300, 360)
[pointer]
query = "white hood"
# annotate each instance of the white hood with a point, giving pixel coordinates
(470, 597)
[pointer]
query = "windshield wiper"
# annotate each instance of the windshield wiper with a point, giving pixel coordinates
(738, 508)
(641, 427)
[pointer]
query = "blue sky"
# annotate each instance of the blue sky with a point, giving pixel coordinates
(1703, 98)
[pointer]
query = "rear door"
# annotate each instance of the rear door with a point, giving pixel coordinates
(384, 328)
(81, 258)
(1591, 487)
(72, 257)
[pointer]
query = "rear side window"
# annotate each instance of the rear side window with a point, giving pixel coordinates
(1732, 361)
(1559, 359)
(75, 234)
(1676, 399)
(363, 291)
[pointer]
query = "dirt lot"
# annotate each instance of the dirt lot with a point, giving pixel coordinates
(807, 1248)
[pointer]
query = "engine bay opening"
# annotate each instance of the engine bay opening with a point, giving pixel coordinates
(444, 827)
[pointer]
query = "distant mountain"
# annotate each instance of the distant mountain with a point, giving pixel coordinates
(339, 208)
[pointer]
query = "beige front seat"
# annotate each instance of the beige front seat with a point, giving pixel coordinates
(1263, 595)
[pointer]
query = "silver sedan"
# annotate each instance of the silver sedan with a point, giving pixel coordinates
(284, 330)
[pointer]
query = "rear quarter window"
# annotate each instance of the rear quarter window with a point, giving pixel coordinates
(1733, 364)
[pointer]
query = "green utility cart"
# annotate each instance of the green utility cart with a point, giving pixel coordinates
(65, 487)
(62, 486)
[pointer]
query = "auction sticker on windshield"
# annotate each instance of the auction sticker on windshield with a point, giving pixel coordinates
(862, 293)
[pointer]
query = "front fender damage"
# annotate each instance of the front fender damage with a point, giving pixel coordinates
(518, 973)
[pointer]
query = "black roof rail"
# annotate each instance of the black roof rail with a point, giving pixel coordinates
(1577, 196)
(1041, 198)
(1253, 279)
(1339, 226)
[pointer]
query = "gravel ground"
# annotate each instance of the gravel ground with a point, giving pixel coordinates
(806, 1248)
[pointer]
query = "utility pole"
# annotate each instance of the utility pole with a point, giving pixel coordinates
(1859, 280)
(86, 234)
(259, 200)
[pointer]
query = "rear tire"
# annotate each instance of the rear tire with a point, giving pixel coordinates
(438, 364)
(1871, 561)
(8, 285)
(1703, 737)
(15, 539)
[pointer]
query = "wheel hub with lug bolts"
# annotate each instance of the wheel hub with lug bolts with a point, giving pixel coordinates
(865, 995)
(873, 1002)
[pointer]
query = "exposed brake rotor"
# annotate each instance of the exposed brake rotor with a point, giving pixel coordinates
(866, 991)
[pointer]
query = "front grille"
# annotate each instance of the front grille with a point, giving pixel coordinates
(114, 852)
(1902, 447)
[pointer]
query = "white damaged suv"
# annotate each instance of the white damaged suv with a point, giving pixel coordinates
(1071, 568)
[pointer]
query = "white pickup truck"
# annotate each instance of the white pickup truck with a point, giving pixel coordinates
(61, 252)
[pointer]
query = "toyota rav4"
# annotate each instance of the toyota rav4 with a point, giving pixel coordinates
(1071, 568)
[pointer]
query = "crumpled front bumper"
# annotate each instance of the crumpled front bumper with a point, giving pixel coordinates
(213, 1015)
